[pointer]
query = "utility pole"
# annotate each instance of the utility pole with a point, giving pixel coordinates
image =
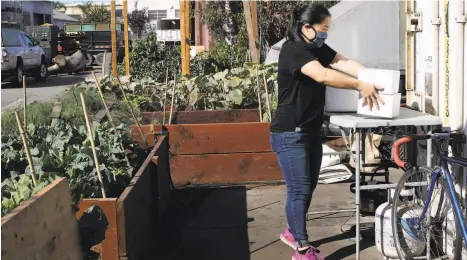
(125, 35)
(113, 29)
(251, 24)
(185, 35)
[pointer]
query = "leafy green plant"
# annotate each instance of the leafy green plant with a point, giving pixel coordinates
(38, 114)
(63, 149)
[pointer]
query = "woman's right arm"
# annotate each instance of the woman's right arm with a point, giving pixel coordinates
(333, 78)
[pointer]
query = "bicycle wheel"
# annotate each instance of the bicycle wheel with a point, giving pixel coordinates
(410, 238)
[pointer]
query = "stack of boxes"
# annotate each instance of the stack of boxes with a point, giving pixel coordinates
(343, 100)
(389, 81)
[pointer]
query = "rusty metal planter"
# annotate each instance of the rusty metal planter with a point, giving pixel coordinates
(42, 227)
(133, 216)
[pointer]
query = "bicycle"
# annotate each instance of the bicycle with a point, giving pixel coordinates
(411, 232)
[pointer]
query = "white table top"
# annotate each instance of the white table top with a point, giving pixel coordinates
(407, 117)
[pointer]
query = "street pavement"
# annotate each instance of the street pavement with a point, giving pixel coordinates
(42, 91)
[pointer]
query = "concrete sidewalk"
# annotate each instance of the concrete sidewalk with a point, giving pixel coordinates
(244, 222)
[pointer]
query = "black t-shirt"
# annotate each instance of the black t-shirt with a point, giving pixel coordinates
(301, 99)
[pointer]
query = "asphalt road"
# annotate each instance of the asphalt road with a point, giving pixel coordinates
(41, 91)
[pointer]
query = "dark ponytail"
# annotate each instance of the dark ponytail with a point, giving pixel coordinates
(312, 14)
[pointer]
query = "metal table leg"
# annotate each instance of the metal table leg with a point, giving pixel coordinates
(357, 192)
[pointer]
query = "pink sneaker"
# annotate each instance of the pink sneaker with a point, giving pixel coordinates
(309, 255)
(288, 239)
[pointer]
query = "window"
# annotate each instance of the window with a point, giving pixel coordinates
(177, 13)
(48, 18)
(157, 14)
(26, 18)
(10, 38)
(27, 40)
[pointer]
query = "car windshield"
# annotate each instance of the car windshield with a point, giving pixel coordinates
(10, 38)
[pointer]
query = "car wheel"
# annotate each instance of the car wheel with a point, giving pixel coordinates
(89, 59)
(40, 73)
(17, 77)
(100, 59)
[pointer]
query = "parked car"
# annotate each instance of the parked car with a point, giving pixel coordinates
(21, 56)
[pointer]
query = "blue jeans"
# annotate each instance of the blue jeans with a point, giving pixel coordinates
(299, 156)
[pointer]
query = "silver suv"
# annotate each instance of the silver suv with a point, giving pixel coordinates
(20, 56)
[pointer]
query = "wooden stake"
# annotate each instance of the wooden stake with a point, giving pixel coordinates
(125, 35)
(173, 97)
(26, 148)
(185, 35)
(259, 95)
(165, 91)
(132, 112)
(252, 38)
(113, 29)
(25, 119)
(93, 146)
(267, 96)
(109, 115)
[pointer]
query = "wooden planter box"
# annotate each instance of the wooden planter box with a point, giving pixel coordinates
(133, 217)
(203, 116)
(43, 227)
(217, 153)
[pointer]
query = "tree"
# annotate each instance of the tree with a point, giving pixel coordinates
(94, 13)
(138, 19)
(59, 5)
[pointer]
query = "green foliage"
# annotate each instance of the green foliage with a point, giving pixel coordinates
(151, 59)
(137, 20)
(16, 190)
(63, 149)
(229, 89)
(94, 13)
(37, 113)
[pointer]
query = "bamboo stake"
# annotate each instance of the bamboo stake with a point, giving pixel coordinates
(109, 116)
(93, 146)
(267, 96)
(173, 97)
(26, 148)
(132, 112)
(165, 92)
(25, 103)
(259, 94)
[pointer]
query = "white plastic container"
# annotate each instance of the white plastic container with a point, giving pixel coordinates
(390, 109)
(387, 79)
(341, 100)
(384, 239)
(448, 237)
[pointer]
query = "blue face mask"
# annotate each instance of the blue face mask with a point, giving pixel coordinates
(318, 41)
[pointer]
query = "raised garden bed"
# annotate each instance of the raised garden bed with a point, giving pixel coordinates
(133, 216)
(203, 116)
(42, 227)
(217, 153)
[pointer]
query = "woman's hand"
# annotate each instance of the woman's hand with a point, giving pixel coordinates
(370, 94)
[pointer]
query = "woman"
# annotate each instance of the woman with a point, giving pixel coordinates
(303, 74)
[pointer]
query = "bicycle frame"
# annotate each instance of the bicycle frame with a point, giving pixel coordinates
(444, 172)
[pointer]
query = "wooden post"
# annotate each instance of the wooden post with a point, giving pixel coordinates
(185, 35)
(252, 38)
(125, 33)
(113, 29)
(197, 24)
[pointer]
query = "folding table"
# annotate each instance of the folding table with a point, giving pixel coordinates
(407, 117)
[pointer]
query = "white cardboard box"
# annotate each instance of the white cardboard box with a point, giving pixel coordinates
(388, 79)
(341, 100)
(390, 109)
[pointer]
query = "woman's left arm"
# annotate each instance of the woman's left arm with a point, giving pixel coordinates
(345, 65)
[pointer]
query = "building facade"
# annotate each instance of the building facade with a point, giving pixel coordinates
(24, 13)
